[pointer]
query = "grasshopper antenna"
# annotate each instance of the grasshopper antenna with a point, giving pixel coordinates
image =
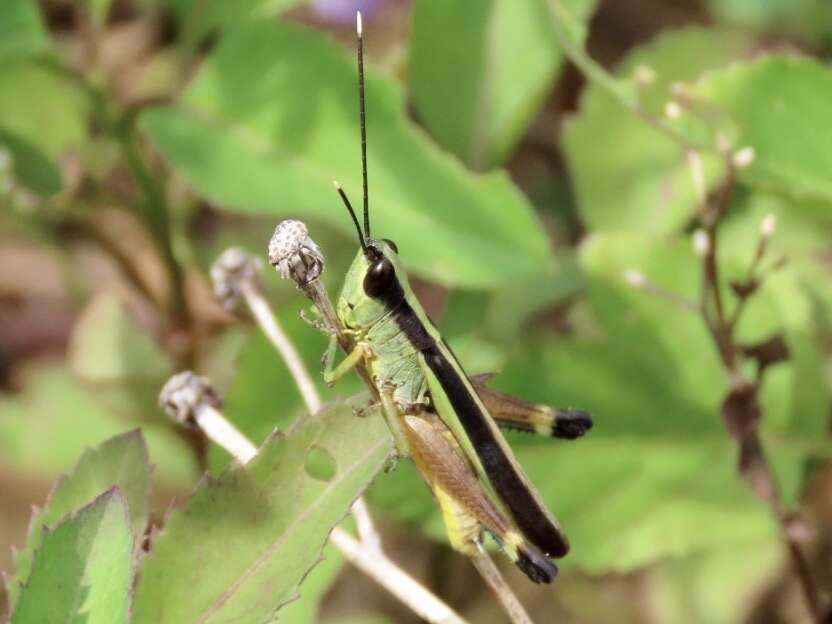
(362, 116)
(347, 203)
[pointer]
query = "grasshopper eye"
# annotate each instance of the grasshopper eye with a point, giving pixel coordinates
(379, 278)
(393, 245)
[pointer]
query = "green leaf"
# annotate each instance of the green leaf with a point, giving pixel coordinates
(203, 17)
(46, 428)
(505, 57)
(777, 104)
(21, 29)
(714, 587)
(313, 589)
(626, 174)
(270, 121)
(649, 374)
(32, 168)
(120, 462)
(42, 114)
(811, 19)
(82, 570)
(112, 355)
(243, 543)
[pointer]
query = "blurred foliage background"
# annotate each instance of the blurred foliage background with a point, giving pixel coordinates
(140, 138)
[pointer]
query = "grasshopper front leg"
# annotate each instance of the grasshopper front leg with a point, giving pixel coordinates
(333, 373)
(391, 411)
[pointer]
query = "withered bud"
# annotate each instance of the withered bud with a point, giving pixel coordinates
(184, 394)
(744, 157)
(672, 110)
(635, 278)
(230, 271)
(701, 243)
(294, 254)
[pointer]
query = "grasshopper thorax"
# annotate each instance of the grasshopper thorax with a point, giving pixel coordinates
(375, 284)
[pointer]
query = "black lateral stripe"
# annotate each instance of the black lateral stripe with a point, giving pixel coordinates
(531, 520)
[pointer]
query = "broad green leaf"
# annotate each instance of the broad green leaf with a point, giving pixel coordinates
(479, 72)
(314, 587)
(83, 569)
(41, 115)
(120, 462)
(776, 105)
(626, 174)
(31, 167)
(21, 29)
(203, 17)
(242, 544)
(112, 355)
(270, 121)
(649, 374)
(811, 19)
(43, 432)
(262, 394)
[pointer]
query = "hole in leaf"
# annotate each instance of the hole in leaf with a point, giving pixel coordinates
(320, 464)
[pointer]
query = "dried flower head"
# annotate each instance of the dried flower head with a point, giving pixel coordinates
(635, 278)
(294, 254)
(701, 243)
(744, 157)
(230, 271)
(184, 394)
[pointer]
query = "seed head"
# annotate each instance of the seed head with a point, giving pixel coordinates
(234, 267)
(184, 394)
(294, 254)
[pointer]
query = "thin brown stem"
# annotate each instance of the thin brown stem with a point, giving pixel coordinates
(741, 410)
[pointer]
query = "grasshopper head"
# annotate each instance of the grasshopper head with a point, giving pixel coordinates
(375, 284)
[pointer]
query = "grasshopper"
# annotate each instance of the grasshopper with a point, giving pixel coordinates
(442, 419)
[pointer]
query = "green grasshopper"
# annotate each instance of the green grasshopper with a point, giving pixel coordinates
(441, 418)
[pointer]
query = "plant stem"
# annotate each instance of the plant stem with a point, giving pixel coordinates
(741, 410)
(571, 34)
(491, 575)
(270, 326)
(274, 332)
(367, 559)
(156, 216)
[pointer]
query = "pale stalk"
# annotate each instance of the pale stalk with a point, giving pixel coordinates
(267, 321)
(367, 559)
(274, 332)
(491, 574)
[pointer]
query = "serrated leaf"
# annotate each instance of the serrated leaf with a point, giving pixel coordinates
(626, 174)
(263, 395)
(313, 588)
(241, 545)
(82, 569)
(776, 104)
(119, 462)
(114, 357)
(270, 121)
(480, 72)
(21, 29)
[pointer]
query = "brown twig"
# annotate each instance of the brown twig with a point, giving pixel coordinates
(741, 408)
